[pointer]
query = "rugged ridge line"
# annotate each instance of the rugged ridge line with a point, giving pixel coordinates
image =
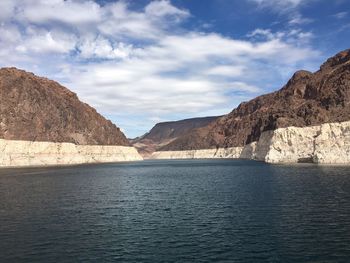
(38, 109)
(307, 99)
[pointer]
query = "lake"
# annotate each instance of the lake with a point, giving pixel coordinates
(176, 211)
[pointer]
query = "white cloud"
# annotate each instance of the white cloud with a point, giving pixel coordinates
(148, 81)
(298, 19)
(46, 42)
(129, 63)
(122, 22)
(280, 5)
(150, 24)
(6, 9)
(341, 15)
(9, 34)
(289, 8)
(226, 70)
(259, 32)
(69, 12)
(102, 48)
(295, 37)
(241, 86)
(164, 8)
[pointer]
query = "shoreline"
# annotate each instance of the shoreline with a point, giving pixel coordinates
(160, 160)
(17, 153)
(327, 143)
(66, 165)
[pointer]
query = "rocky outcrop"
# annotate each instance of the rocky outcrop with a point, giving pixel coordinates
(165, 132)
(307, 99)
(323, 144)
(287, 145)
(332, 145)
(33, 108)
(43, 123)
(28, 153)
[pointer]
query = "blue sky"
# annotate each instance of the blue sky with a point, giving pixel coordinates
(142, 62)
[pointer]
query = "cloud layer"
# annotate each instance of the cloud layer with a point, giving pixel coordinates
(141, 65)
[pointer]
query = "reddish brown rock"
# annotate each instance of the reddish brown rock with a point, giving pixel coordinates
(38, 109)
(165, 132)
(307, 99)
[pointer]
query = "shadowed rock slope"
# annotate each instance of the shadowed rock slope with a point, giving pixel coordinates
(38, 109)
(307, 99)
(165, 132)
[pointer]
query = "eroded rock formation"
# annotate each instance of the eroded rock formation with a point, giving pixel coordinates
(307, 99)
(323, 144)
(28, 153)
(165, 132)
(43, 123)
(38, 109)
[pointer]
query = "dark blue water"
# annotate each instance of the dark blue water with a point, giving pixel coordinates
(176, 211)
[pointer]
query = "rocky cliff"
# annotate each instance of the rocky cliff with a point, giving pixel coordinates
(165, 132)
(307, 99)
(220, 153)
(323, 144)
(28, 153)
(43, 123)
(38, 109)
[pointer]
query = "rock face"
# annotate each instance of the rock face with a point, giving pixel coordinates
(37, 109)
(332, 145)
(286, 145)
(233, 152)
(165, 132)
(307, 99)
(323, 144)
(28, 153)
(43, 123)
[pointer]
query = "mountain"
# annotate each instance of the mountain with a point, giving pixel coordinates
(307, 99)
(38, 109)
(165, 132)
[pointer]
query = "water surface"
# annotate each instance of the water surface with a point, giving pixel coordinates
(176, 211)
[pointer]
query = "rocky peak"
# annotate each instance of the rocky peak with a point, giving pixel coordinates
(296, 86)
(38, 109)
(340, 58)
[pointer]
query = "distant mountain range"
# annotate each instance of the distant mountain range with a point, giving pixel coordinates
(165, 132)
(307, 99)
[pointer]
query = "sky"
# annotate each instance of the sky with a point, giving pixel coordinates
(139, 62)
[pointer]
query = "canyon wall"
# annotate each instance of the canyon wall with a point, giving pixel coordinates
(43, 123)
(332, 145)
(233, 152)
(307, 99)
(324, 144)
(32, 153)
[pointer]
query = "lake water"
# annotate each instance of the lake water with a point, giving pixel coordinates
(176, 211)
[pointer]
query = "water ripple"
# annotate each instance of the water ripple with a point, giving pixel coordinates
(178, 211)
